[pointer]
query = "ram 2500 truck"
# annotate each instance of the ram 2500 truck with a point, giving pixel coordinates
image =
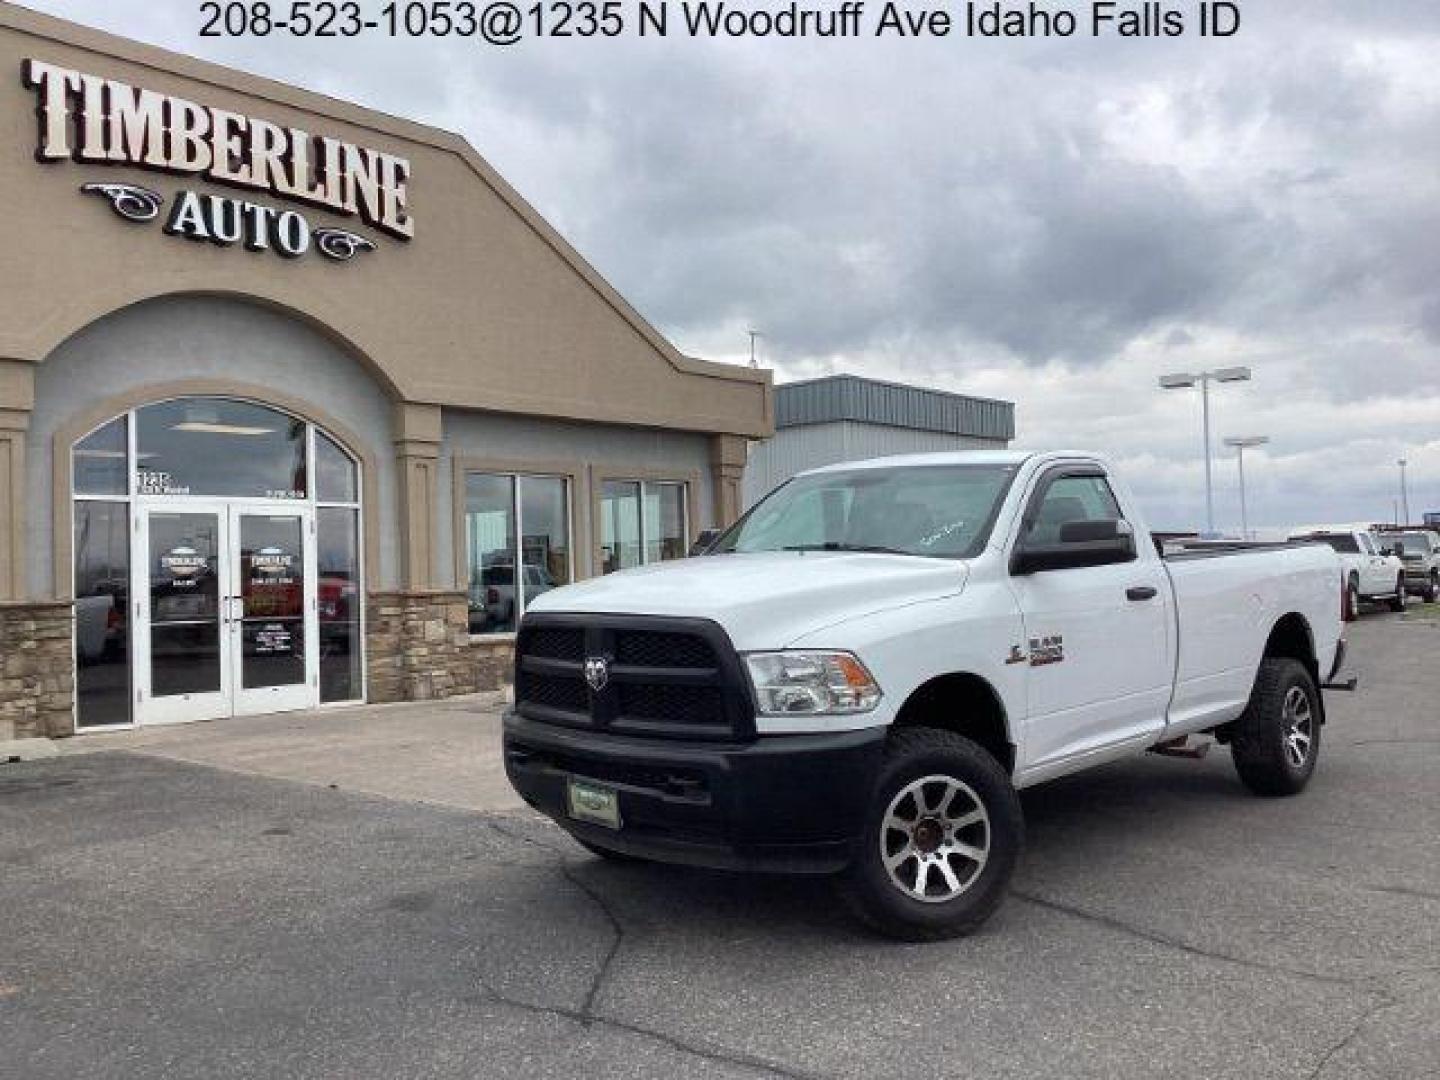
(859, 675)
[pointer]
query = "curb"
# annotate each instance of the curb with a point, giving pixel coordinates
(13, 750)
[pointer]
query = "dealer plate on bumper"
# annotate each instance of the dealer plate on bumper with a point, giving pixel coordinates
(593, 802)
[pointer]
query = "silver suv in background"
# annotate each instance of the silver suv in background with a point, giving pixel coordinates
(1420, 552)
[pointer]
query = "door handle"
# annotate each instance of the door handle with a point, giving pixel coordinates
(1141, 592)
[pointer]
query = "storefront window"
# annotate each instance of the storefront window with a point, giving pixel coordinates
(490, 539)
(335, 479)
(338, 552)
(101, 461)
(641, 522)
(619, 525)
(545, 533)
(664, 522)
(505, 513)
(216, 446)
(102, 609)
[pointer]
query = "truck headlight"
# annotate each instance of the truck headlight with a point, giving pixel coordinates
(810, 683)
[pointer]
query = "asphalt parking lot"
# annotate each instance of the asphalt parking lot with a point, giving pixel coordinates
(164, 918)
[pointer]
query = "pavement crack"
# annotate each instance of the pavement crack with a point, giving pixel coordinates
(737, 1058)
(617, 937)
(617, 929)
(1175, 943)
(1344, 1043)
(1405, 890)
(586, 1015)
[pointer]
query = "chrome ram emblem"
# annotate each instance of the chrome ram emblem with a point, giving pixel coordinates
(597, 672)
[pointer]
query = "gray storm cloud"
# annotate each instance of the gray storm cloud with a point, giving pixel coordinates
(1056, 222)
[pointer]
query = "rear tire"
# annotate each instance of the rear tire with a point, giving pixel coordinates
(940, 841)
(1397, 602)
(1352, 600)
(1432, 589)
(1276, 741)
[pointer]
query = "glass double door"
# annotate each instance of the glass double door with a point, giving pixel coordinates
(226, 619)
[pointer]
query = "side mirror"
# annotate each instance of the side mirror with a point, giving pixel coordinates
(704, 539)
(1081, 543)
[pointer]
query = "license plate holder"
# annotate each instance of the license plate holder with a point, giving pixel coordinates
(598, 804)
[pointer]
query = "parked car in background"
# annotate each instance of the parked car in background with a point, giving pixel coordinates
(1420, 554)
(1369, 571)
(492, 595)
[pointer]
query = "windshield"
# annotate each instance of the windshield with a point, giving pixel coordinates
(940, 511)
(1415, 543)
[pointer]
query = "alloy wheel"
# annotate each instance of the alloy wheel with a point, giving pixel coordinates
(1298, 719)
(935, 839)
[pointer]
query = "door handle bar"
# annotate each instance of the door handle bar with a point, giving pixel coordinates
(1138, 593)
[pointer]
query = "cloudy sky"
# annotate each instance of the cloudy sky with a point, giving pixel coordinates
(1054, 222)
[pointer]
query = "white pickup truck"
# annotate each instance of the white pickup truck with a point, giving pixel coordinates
(861, 672)
(1370, 569)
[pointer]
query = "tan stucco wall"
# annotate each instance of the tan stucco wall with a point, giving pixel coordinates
(487, 307)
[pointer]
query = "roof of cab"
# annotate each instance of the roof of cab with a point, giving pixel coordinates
(949, 457)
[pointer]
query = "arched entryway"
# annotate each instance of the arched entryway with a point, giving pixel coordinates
(218, 564)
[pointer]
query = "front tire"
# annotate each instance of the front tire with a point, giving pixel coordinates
(1352, 600)
(1397, 602)
(1276, 741)
(1432, 589)
(941, 838)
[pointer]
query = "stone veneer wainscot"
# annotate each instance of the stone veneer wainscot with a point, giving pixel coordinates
(37, 670)
(419, 647)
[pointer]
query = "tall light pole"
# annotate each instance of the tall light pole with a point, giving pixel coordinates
(1241, 443)
(1203, 379)
(1404, 492)
(754, 334)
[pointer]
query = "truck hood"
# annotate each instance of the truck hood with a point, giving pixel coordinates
(768, 599)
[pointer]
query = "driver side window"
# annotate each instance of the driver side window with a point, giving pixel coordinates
(1068, 499)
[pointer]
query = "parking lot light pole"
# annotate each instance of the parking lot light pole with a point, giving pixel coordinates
(1404, 493)
(1203, 379)
(1241, 443)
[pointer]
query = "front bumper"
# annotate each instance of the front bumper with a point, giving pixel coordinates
(790, 803)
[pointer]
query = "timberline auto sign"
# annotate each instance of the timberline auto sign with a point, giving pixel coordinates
(99, 121)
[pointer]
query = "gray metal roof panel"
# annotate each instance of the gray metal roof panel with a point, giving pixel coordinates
(850, 397)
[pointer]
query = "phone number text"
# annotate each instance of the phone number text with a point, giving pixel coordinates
(497, 22)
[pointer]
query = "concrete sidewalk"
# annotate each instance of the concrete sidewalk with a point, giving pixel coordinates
(445, 752)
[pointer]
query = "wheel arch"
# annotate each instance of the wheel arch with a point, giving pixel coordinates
(967, 704)
(1292, 638)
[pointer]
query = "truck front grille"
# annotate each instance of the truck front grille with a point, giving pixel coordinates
(664, 677)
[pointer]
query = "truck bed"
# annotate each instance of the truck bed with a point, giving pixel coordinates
(1227, 598)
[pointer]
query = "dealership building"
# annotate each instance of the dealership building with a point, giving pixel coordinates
(849, 418)
(301, 404)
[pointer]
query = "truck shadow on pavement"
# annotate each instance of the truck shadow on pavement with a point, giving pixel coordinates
(1105, 817)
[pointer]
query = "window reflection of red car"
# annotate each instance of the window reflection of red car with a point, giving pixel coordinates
(336, 597)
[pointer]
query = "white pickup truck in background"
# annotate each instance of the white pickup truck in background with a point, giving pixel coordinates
(861, 672)
(1370, 569)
